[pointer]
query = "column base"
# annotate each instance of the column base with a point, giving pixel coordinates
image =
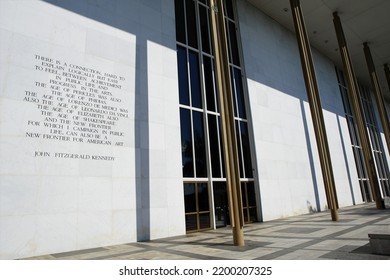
(334, 214)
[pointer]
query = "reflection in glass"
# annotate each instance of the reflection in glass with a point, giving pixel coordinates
(203, 197)
(250, 189)
(191, 24)
(204, 26)
(229, 9)
(214, 146)
(195, 80)
(186, 143)
(197, 208)
(180, 23)
(234, 58)
(204, 220)
(221, 204)
(191, 222)
(209, 83)
(199, 144)
(239, 93)
(189, 198)
(183, 76)
(246, 150)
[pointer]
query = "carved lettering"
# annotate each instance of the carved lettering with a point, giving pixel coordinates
(76, 104)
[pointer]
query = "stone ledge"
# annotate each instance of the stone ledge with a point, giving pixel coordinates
(380, 243)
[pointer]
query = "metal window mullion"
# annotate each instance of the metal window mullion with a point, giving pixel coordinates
(185, 23)
(202, 4)
(197, 207)
(208, 55)
(193, 142)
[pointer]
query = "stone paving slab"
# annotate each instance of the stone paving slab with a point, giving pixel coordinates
(307, 237)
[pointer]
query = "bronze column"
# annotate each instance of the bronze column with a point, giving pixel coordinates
(229, 141)
(378, 94)
(354, 97)
(315, 108)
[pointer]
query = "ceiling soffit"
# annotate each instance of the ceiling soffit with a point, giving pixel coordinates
(363, 21)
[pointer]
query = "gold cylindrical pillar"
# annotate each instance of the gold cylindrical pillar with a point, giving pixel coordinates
(357, 107)
(378, 94)
(315, 108)
(229, 141)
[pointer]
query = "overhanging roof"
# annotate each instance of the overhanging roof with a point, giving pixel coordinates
(363, 21)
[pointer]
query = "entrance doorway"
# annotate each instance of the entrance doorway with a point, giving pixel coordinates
(221, 205)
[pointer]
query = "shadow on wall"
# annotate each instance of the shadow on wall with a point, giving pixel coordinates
(310, 207)
(122, 15)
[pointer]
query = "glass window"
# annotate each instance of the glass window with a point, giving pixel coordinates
(249, 202)
(197, 209)
(239, 147)
(214, 146)
(203, 197)
(196, 97)
(199, 143)
(234, 57)
(204, 27)
(191, 222)
(204, 220)
(209, 83)
(201, 138)
(229, 9)
(183, 76)
(189, 198)
(239, 93)
(186, 143)
(246, 150)
(180, 22)
(191, 24)
(375, 139)
(251, 194)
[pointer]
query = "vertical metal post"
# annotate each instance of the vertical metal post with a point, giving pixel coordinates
(229, 142)
(354, 97)
(315, 108)
(378, 94)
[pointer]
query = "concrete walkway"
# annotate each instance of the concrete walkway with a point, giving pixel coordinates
(307, 237)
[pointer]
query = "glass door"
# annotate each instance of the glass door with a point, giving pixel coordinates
(221, 206)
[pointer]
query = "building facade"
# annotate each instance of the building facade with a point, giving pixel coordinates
(111, 129)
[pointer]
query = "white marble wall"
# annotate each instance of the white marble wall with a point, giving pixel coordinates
(288, 167)
(50, 204)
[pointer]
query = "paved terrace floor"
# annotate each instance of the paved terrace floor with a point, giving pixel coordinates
(308, 237)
